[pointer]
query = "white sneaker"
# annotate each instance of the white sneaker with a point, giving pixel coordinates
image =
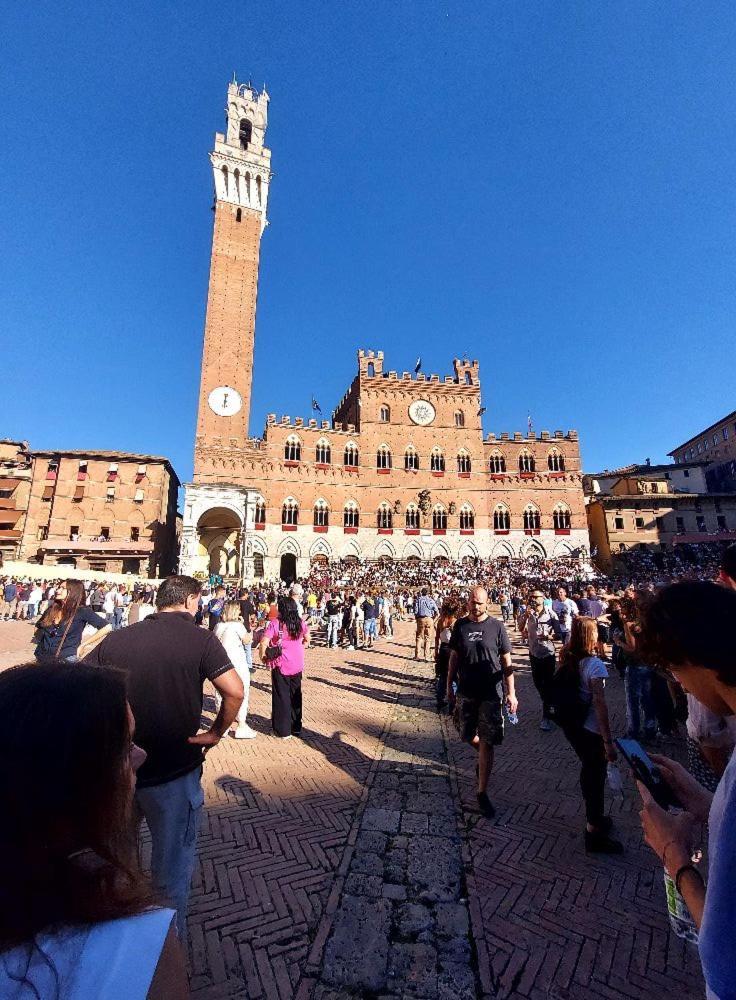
(244, 733)
(351, 647)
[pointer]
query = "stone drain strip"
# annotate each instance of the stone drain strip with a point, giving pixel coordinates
(396, 924)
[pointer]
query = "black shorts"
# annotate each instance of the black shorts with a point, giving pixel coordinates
(483, 719)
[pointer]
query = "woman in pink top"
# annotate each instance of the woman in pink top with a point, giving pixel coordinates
(290, 633)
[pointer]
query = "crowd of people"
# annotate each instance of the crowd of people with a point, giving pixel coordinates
(105, 726)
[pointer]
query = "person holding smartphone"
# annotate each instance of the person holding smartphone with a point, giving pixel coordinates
(687, 629)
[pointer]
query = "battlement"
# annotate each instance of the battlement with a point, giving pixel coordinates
(315, 426)
(531, 437)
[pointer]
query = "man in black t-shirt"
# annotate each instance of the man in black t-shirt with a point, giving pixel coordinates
(480, 662)
(167, 658)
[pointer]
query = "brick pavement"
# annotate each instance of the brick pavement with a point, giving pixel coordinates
(328, 866)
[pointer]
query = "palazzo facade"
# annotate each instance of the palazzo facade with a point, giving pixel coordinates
(402, 470)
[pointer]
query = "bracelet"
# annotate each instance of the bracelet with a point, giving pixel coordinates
(689, 867)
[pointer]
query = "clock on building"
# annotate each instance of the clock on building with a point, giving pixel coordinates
(224, 401)
(422, 412)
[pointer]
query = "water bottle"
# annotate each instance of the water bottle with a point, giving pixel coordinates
(680, 919)
(512, 717)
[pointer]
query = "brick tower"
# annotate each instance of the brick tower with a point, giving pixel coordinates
(242, 170)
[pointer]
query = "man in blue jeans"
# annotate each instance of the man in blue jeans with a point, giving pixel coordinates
(167, 658)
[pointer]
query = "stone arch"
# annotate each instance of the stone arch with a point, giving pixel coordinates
(289, 546)
(218, 540)
(532, 547)
(563, 549)
(467, 549)
(503, 550)
(320, 548)
(412, 550)
(385, 548)
(440, 550)
(351, 550)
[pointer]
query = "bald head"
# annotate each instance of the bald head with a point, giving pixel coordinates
(478, 604)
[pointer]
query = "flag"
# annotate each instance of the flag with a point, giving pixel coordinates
(529, 423)
(315, 405)
(481, 411)
(418, 366)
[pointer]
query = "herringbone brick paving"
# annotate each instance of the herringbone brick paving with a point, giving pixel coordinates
(546, 921)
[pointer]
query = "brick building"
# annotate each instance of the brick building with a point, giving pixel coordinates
(716, 448)
(100, 510)
(16, 468)
(660, 506)
(401, 471)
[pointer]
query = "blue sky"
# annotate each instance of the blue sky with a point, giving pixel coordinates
(548, 187)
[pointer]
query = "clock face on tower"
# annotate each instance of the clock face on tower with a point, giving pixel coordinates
(422, 412)
(224, 401)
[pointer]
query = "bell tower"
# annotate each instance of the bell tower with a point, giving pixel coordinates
(241, 166)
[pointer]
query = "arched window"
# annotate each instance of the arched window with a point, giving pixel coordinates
(526, 462)
(531, 518)
(350, 458)
(501, 518)
(247, 186)
(459, 418)
(467, 518)
(323, 455)
(258, 188)
(383, 457)
(258, 565)
(371, 369)
(468, 378)
(439, 518)
(225, 179)
(293, 449)
(496, 463)
(463, 462)
(239, 215)
(411, 459)
(384, 516)
(260, 512)
(245, 132)
(321, 514)
(290, 512)
(385, 414)
(236, 176)
(350, 515)
(437, 460)
(561, 517)
(412, 517)
(555, 461)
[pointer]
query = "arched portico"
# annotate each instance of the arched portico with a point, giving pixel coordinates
(532, 547)
(218, 538)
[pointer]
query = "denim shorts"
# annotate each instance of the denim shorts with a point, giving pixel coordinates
(483, 719)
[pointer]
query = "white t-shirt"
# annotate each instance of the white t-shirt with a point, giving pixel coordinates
(590, 669)
(108, 605)
(115, 960)
(231, 635)
(565, 610)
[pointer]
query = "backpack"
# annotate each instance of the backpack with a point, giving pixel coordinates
(567, 707)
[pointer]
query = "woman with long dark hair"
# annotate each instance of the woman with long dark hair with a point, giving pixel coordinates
(584, 674)
(286, 636)
(59, 630)
(442, 635)
(77, 917)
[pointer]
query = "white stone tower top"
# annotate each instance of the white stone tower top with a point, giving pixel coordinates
(241, 164)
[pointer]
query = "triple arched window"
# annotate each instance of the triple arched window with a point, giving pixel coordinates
(501, 518)
(463, 462)
(290, 512)
(293, 449)
(411, 459)
(526, 462)
(556, 461)
(496, 463)
(383, 457)
(384, 516)
(531, 518)
(439, 518)
(321, 514)
(384, 414)
(350, 458)
(459, 418)
(351, 515)
(412, 517)
(437, 460)
(323, 454)
(561, 517)
(467, 518)
(260, 512)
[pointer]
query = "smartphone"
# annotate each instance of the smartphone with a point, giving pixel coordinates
(648, 774)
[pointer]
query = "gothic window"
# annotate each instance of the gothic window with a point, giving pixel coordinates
(437, 460)
(412, 516)
(531, 518)
(351, 515)
(561, 517)
(526, 462)
(463, 461)
(321, 514)
(385, 414)
(501, 518)
(411, 459)
(468, 378)
(384, 516)
(467, 518)
(371, 369)
(323, 455)
(258, 565)
(245, 132)
(258, 188)
(290, 512)
(293, 449)
(439, 518)
(459, 418)
(383, 457)
(247, 186)
(225, 179)
(236, 176)
(239, 215)
(260, 512)
(351, 455)
(497, 463)
(555, 461)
